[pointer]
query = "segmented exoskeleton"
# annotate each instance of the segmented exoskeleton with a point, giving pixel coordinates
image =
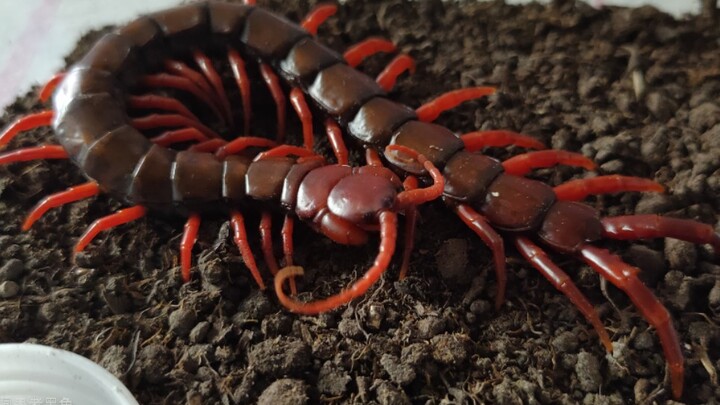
(93, 125)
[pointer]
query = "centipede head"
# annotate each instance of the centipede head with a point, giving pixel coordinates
(344, 203)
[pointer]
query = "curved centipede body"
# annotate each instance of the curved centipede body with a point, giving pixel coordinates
(120, 157)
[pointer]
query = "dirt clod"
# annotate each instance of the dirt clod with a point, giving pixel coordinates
(279, 357)
(12, 270)
(285, 391)
(9, 289)
(587, 370)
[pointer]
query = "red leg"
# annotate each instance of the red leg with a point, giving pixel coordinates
(170, 120)
(562, 282)
(166, 80)
(50, 86)
(267, 245)
(121, 217)
(576, 190)
(287, 237)
(192, 226)
(410, 183)
(337, 142)
(241, 240)
(209, 146)
(179, 135)
(624, 277)
(181, 69)
(237, 64)
(152, 101)
(388, 236)
(422, 195)
(373, 158)
(493, 240)
(388, 77)
(429, 111)
(297, 99)
(273, 84)
(70, 195)
(632, 227)
(284, 150)
(34, 153)
(477, 140)
(318, 16)
(240, 144)
(361, 51)
(521, 165)
(213, 77)
(26, 123)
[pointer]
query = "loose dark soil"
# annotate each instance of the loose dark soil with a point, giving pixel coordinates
(633, 89)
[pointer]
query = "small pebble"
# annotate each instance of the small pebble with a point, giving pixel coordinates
(12, 270)
(9, 289)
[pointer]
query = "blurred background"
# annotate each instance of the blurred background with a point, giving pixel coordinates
(37, 34)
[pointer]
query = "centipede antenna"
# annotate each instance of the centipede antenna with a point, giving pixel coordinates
(297, 99)
(357, 53)
(179, 135)
(240, 144)
(26, 123)
(287, 239)
(478, 140)
(284, 150)
(192, 226)
(624, 277)
(388, 237)
(213, 77)
(431, 110)
(166, 80)
(121, 217)
(241, 240)
(70, 195)
(153, 101)
(388, 77)
(563, 283)
(478, 224)
(273, 83)
(411, 214)
(267, 244)
(522, 164)
(317, 16)
(337, 142)
(421, 195)
(171, 120)
(33, 153)
(237, 64)
(49, 88)
(576, 190)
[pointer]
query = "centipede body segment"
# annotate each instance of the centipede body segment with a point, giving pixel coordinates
(167, 63)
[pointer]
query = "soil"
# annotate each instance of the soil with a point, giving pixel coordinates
(634, 89)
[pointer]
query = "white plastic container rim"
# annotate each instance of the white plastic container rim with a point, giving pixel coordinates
(37, 374)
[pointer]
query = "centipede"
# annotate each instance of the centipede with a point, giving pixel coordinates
(165, 63)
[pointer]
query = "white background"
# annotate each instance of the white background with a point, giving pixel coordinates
(35, 35)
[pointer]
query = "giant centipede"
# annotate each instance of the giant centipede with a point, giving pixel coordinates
(92, 124)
